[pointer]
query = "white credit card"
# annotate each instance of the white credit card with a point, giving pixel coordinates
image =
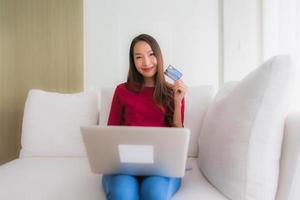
(173, 73)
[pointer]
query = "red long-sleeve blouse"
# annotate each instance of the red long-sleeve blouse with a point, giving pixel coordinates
(137, 109)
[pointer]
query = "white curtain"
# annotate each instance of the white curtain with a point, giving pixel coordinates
(281, 35)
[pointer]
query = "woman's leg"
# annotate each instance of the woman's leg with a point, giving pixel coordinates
(119, 187)
(159, 188)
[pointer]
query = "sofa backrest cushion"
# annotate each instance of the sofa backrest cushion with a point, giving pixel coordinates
(196, 103)
(289, 176)
(51, 123)
(241, 136)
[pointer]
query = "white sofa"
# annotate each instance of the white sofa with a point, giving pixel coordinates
(228, 143)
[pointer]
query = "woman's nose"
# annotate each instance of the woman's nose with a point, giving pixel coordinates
(146, 61)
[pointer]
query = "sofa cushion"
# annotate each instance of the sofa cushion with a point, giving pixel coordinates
(289, 177)
(51, 123)
(195, 187)
(241, 136)
(71, 179)
(106, 97)
(49, 179)
(196, 103)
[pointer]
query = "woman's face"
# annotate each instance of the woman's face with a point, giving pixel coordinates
(144, 59)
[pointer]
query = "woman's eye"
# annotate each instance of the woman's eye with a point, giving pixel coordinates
(151, 54)
(138, 57)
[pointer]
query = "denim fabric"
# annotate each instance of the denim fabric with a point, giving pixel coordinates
(126, 187)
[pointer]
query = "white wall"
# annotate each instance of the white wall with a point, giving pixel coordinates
(187, 31)
(242, 37)
(281, 35)
(211, 42)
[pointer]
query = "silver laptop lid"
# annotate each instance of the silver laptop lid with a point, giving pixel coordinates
(137, 150)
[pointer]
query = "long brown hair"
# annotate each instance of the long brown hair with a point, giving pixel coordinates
(163, 93)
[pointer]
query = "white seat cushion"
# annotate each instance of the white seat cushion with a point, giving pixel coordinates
(241, 136)
(51, 123)
(49, 179)
(196, 103)
(195, 186)
(71, 179)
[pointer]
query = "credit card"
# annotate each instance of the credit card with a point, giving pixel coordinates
(173, 73)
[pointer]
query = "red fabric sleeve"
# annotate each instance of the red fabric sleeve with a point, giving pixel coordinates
(116, 109)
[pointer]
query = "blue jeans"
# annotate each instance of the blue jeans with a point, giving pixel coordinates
(126, 187)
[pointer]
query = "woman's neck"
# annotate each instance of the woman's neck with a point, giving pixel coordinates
(149, 82)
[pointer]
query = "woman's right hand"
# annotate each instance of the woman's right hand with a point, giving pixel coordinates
(179, 89)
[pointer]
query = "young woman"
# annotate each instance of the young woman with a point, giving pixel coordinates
(146, 99)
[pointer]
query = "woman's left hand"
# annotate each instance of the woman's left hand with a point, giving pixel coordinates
(180, 90)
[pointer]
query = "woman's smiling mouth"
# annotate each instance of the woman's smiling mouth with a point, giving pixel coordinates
(147, 69)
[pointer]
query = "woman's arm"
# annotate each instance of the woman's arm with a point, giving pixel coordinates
(178, 119)
(180, 90)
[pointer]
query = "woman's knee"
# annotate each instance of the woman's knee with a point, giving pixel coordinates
(121, 187)
(155, 187)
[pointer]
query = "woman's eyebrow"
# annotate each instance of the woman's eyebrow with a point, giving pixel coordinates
(150, 51)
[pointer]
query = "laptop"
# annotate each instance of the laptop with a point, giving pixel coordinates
(133, 150)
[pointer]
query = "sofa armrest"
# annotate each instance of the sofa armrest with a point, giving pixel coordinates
(289, 177)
